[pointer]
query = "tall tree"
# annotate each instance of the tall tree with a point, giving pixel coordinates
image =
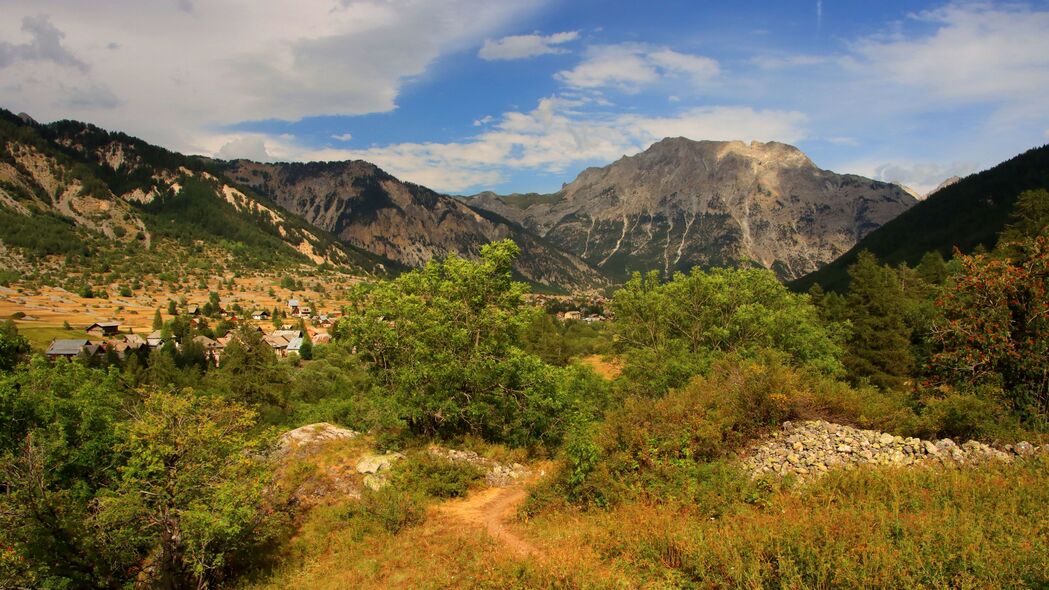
(158, 321)
(880, 346)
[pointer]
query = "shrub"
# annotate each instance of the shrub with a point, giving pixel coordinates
(435, 476)
(390, 508)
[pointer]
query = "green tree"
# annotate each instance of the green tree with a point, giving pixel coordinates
(249, 372)
(993, 327)
(306, 350)
(671, 332)
(172, 308)
(932, 268)
(191, 494)
(879, 348)
(57, 450)
(444, 341)
(158, 321)
(14, 348)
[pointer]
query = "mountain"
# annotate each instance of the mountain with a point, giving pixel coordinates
(683, 203)
(70, 187)
(963, 215)
(74, 189)
(942, 185)
(369, 209)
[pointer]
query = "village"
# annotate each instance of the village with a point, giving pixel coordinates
(107, 337)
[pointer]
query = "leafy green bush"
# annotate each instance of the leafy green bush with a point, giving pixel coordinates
(436, 477)
(670, 332)
(390, 508)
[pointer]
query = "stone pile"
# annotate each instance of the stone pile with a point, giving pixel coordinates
(811, 448)
(496, 474)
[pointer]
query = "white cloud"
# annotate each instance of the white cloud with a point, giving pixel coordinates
(920, 176)
(178, 71)
(632, 66)
(978, 52)
(250, 147)
(483, 121)
(522, 46)
(558, 134)
(342, 137)
(45, 44)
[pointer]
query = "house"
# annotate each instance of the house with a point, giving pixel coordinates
(103, 329)
(305, 312)
(208, 344)
(287, 334)
(134, 341)
(68, 349)
(322, 338)
(294, 345)
(293, 306)
(155, 340)
(277, 343)
(260, 315)
(193, 309)
(573, 315)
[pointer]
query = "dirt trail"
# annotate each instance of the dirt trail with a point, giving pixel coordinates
(489, 509)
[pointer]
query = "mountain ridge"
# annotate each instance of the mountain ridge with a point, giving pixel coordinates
(683, 203)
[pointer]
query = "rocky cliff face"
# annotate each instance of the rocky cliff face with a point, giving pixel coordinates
(367, 208)
(684, 203)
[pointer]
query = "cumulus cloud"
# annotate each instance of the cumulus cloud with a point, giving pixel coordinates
(557, 134)
(920, 176)
(342, 137)
(178, 83)
(632, 66)
(483, 121)
(248, 147)
(976, 52)
(523, 46)
(45, 44)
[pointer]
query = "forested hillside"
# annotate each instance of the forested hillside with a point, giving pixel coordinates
(967, 214)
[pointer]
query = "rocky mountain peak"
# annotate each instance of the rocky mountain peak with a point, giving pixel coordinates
(683, 203)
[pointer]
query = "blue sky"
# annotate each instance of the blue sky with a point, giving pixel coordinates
(518, 96)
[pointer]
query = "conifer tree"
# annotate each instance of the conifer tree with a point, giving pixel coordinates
(158, 321)
(879, 348)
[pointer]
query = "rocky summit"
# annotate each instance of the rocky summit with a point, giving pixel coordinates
(684, 203)
(812, 448)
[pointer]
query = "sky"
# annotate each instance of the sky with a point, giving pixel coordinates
(521, 95)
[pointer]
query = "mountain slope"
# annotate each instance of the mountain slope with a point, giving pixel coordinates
(370, 209)
(683, 203)
(72, 188)
(965, 214)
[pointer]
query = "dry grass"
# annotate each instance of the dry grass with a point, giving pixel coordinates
(980, 527)
(51, 307)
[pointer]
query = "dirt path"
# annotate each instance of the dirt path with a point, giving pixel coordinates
(489, 509)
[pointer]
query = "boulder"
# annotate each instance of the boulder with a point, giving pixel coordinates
(376, 463)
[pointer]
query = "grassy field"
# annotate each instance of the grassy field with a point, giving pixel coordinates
(973, 527)
(41, 336)
(49, 308)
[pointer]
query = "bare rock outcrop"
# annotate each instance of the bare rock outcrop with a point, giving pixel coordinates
(812, 448)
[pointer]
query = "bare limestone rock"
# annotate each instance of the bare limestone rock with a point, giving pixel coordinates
(809, 449)
(311, 435)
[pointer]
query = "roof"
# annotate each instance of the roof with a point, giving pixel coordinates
(293, 303)
(295, 344)
(258, 312)
(275, 341)
(104, 325)
(155, 335)
(134, 340)
(206, 342)
(66, 347)
(193, 308)
(286, 334)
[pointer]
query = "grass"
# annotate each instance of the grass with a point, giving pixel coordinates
(40, 337)
(974, 527)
